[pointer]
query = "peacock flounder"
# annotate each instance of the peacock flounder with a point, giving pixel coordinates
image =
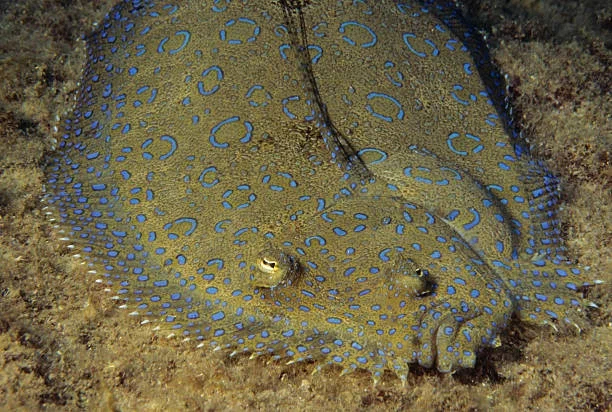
(326, 180)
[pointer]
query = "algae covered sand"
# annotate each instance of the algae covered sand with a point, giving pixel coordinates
(66, 344)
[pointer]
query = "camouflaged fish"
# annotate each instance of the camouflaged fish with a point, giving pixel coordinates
(326, 180)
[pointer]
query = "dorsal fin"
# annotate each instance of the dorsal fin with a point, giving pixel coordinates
(491, 76)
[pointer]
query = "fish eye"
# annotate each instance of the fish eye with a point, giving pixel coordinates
(267, 265)
(273, 267)
(410, 277)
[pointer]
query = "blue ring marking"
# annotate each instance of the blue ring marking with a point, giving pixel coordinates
(217, 261)
(173, 146)
(245, 139)
(383, 155)
(455, 135)
(230, 23)
(449, 142)
(252, 90)
(456, 173)
(285, 101)
(400, 76)
(423, 180)
(171, 7)
(218, 9)
(320, 204)
(160, 47)
(458, 87)
(435, 50)
(186, 37)
(475, 221)
(317, 56)
(144, 145)
(320, 240)
(281, 50)
(383, 255)
(412, 49)
(372, 95)
(210, 169)
(140, 49)
(280, 30)
(219, 225)
(350, 41)
(153, 96)
(495, 187)
(317, 27)
(190, 220)
(205, 73)
(475, 138)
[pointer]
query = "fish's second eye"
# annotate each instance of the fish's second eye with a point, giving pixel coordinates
(267, 265)
(272, 268)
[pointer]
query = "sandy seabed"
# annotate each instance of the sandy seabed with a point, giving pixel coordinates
(65, 346)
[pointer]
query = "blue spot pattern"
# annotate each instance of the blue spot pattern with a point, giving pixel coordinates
(271, 178)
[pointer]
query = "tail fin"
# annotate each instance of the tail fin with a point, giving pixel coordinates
(549, 291)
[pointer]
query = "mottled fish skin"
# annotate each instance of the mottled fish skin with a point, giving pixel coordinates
(335, 180)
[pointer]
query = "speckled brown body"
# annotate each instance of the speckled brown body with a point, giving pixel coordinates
(334, 182)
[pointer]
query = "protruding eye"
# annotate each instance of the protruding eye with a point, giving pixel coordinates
(273, 267)
(408, 279)
(267, 265)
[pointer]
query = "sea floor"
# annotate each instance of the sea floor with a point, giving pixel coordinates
(66, 346)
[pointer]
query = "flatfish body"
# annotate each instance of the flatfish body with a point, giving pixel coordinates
(325, 180)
